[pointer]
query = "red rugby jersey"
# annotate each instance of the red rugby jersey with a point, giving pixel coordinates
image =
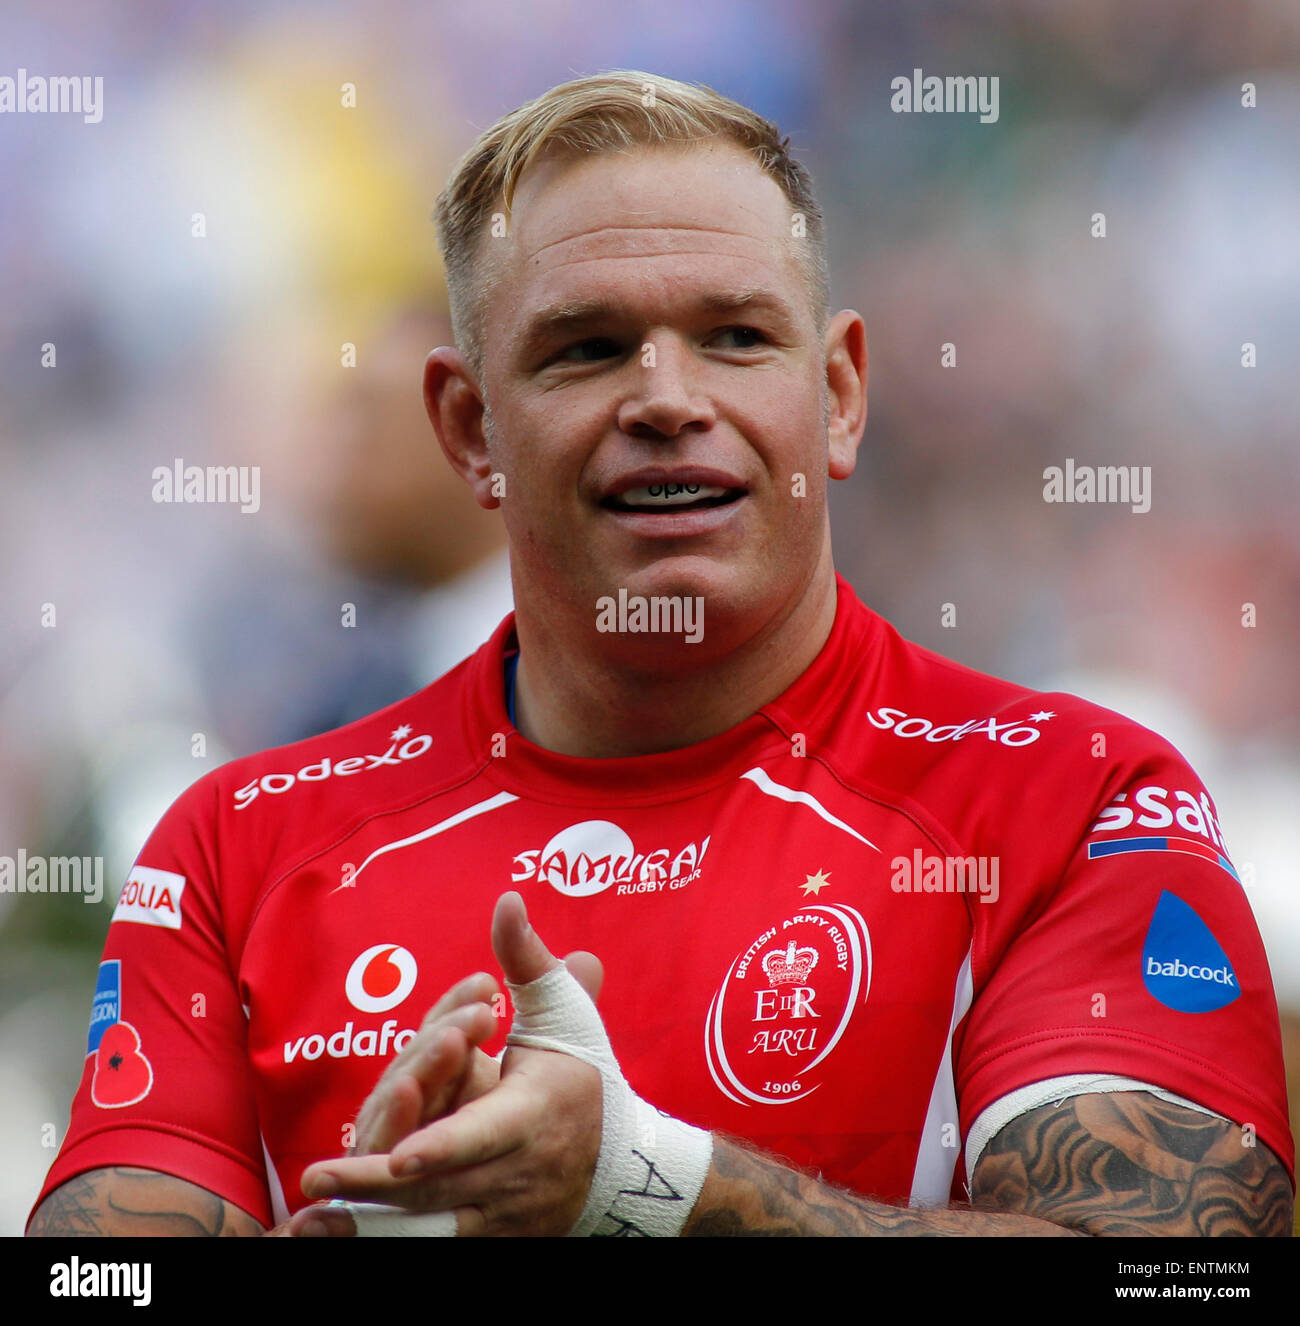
(841, 929)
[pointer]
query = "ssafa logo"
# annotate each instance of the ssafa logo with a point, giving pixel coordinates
(151, 897)
(785, 1004)
(587, 858)
(122, 1074)
(1155, 807)
(1183, 966)
(378, 980)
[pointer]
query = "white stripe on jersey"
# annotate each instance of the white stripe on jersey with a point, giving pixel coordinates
(761, 781)
(501, 799)
(279, 1207)
(935, 1163)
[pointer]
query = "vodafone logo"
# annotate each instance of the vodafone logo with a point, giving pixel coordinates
(380, 978)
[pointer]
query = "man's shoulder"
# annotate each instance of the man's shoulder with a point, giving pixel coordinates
(930, 707)
(974, 755)
(408, 748)
(420, 729)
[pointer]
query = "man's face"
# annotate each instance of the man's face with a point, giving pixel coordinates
(651, 326)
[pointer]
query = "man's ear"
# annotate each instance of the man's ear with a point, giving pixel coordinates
(846, 379)
(454, 401)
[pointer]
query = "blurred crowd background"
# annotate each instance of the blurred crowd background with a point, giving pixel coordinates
(180, 621)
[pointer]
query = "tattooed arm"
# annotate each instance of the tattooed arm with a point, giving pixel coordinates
(1130, 1163)
(1126, 1163)
(127, 1201)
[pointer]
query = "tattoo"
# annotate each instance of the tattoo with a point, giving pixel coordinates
(1119, 1164)
(70, 1210)
(1130, 1163)
(748, 1194)
(124, 1200)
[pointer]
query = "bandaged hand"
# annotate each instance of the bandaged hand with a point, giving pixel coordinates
(562, 1145)
(651, 1166)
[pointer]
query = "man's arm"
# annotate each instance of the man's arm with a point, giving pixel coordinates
(1129, 1163)
(123, 1200)
(521, 1158)
(1126, 1163)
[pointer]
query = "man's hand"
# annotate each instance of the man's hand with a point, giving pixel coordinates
(518, 1159)
(440, 1070)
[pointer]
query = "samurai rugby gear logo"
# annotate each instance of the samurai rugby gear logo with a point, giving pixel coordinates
(585, 859)
(785, 1003)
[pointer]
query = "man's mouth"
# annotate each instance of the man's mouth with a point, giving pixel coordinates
(673, 497)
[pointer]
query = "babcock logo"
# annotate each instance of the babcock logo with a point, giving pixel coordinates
(1182, 964)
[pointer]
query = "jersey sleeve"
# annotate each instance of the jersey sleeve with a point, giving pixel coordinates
(1140, 958)
(166, 1083)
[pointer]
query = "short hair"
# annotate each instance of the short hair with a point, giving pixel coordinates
(605, 112)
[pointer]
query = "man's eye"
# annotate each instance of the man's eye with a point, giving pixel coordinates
(744, 338)
(588, 351)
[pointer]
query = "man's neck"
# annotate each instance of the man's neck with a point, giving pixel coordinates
(576, 702)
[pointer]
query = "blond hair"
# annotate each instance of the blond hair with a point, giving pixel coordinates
(605, 112)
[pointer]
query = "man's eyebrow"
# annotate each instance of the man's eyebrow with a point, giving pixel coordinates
(556, 319)
(733, 301)
(567, 317)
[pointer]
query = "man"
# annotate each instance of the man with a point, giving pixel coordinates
(958, 957)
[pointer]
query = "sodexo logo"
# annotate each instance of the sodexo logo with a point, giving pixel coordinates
(380, 978)
(1182, 964)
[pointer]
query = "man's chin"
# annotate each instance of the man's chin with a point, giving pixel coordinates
(717, 583)
(703, 604)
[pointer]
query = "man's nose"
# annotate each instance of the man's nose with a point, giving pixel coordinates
(668, 396)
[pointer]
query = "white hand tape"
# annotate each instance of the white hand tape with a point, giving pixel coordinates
(651, 1166)
(374, 1220)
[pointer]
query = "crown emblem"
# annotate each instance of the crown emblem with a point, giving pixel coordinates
(789, 966)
